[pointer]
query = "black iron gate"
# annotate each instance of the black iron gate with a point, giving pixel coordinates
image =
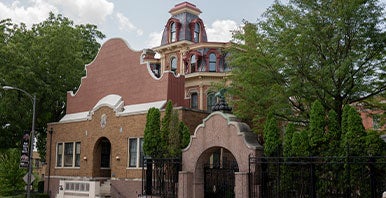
(343, 177)
(219, 181)
(160, 177)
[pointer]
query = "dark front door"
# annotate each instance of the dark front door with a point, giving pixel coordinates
(105, 170)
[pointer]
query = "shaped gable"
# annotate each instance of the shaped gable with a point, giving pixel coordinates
(117, 70)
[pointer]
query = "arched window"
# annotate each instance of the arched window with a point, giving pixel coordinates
(193, 63)
(196, 35)
(173, 63)
(194, 101)
(210, 101)
(173, 32)
(212, 62)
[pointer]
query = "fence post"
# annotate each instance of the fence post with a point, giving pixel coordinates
(149, 175)
(249, 176)
(313, 179)
(348, 172)
(264, 179)
(372, 178)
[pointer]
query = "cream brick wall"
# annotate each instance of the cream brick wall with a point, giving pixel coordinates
(118, 130)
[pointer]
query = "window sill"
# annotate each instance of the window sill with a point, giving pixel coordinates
(134, 168)
(57, 167)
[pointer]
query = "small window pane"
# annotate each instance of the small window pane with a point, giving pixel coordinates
(212, 62)
(194, 101)
(196, 33)
(133, 152)
(173, 63)
(193, 63)
(77, 154)
(173, 32)
(59, 155)
(141, 152)
(68, 154)
(210, 101)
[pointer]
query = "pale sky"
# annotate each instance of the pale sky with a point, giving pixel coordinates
(140, 23)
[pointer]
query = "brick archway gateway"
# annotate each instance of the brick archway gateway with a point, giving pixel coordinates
(218, 130)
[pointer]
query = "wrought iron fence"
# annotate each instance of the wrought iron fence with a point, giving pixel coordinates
(160, 177)
(317, 177)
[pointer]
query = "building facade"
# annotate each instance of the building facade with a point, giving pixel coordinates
(96, 148)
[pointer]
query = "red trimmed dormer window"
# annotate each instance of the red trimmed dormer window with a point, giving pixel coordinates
(196, 34)
(173, 29)
(173, 32)
(196, 27)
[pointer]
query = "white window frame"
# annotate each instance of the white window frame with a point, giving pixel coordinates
(138, 152)
(74, 154)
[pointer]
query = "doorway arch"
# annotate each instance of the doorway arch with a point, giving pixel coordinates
(102, 158)
(217, 166)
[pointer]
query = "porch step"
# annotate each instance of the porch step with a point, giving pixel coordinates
(105, 189)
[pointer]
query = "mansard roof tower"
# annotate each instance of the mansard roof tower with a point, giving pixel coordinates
(185, 50)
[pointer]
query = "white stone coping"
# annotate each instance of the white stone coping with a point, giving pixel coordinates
(116, 103)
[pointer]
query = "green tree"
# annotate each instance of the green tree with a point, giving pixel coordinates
(331, 51)
(374, 146)
(317, 136)
(287, 140)
(299, 144)
(175, 138)
(353, 135)
(152, 133)
(272, 142)
(11, 176)
(47, 59)
(167, 140)
(185, 134)
(165, 128)
(251, 63)
(333, 134)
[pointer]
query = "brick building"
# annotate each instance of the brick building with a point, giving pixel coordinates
(97, 146)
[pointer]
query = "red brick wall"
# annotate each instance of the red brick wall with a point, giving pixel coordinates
(176, 89)
(192, 118)
(117, 70)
